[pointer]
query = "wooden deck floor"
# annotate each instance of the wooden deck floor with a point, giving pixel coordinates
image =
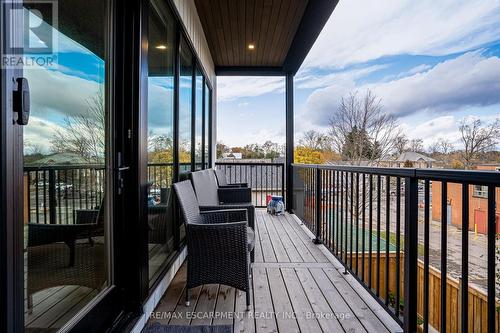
(297, 287)
(53, 307)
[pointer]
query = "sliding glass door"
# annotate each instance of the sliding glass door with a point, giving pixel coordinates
(160, 114)
(66, 153)
(198, 121)
(185, 107)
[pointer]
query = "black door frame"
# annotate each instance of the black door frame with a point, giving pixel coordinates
(115, 305)
(11, 238)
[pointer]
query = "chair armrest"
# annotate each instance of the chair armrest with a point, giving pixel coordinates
(234, 185)
(224, 216)
(234, 195)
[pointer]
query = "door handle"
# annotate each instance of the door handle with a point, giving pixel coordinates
(119, 175)
(21, 101)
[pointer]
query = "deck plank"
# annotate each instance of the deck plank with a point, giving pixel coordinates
(224, 305)
(182, 311)
(293, 282)
(263, 302)
(315, 251)
(172, 297)
(279, 250)
(302, 249)
(244, 322)
(321, 308)
(259, 256)
(265, 239)
(290, 248)
(300, 303)
(366, 316)
(206, 304)
(281, 301)
(346, 317)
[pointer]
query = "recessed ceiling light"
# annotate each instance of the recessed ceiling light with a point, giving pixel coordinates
(251, 46)
(161, 47)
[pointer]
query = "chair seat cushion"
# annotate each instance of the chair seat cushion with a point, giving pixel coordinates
(250, 239)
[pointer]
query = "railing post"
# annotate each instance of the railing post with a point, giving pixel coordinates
(282, 167)
(52, 196)
(317, 239)
(289, 141)
(411, 254)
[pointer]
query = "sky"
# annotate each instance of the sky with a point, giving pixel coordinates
(432, 64)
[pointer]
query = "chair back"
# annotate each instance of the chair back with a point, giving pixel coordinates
(221, 177)
(187, 201)
(205, 186)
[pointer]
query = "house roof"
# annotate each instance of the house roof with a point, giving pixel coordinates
(59, 159)
(414, 157)
(281, 32)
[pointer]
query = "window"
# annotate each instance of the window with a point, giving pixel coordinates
(161, 57)
(185, 106)
(66, 245)
(206, 146)
(198, 133)
(480, 191)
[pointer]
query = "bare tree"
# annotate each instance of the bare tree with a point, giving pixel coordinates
(478, 138)
(84, 134)
(441, 146)
(315, 140)
(401, 144)
(416, 145)
(361, 130)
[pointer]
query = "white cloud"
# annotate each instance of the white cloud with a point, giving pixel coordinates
(230, 88)
(53, 92)
(313, 81)
(360, 30)
(39, 133)
(430, 130)
(468, 80)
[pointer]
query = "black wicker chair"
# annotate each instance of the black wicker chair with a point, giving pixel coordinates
(211, 197)
(218, 244)
(222, 180)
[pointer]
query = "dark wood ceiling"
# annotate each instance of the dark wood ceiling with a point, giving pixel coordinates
(231, 25)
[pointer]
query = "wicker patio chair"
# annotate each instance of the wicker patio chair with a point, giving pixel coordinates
(218, 244)
(222, 180)
(211, 197)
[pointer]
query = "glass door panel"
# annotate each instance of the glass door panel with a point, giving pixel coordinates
(198, 128)
(161, 57)
(185, 106)
(207, 125)
(65, 161)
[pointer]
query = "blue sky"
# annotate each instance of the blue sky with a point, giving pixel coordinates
(431, 62)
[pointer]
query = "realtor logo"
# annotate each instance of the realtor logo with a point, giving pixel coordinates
(31, 39)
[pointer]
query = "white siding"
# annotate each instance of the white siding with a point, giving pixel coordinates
(191, 21)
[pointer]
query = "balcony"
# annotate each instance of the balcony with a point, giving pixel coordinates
(297, 287)
(360, 241)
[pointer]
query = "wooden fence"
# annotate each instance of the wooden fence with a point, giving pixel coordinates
(478, 315)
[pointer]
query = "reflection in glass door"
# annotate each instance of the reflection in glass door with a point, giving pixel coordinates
(65, 163)
(185, 106)
(198, 127)
(161, 53)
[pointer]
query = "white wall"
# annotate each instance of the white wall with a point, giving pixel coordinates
(191, 22)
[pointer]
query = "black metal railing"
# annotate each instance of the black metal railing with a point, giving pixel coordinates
(369, 219)
(54, 193)
(264, 178)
